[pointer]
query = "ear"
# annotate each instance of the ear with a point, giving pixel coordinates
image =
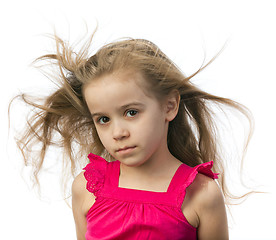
(172, 105)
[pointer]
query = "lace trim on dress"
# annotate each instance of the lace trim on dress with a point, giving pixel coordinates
(95, 173)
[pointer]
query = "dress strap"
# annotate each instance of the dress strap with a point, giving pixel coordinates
(185, 176)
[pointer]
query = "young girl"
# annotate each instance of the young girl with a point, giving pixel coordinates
(151, 141)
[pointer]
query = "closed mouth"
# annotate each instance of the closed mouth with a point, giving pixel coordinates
(124, 148)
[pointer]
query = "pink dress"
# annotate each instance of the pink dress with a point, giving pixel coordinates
(122, 213)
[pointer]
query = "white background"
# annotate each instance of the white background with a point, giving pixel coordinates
(182, 29)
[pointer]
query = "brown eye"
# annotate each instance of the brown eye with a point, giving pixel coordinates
(131, 113)
(103, 120)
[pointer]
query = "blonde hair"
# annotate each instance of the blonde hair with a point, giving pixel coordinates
(192, 135)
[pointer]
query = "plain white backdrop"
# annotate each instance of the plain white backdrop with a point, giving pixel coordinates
(182, 29)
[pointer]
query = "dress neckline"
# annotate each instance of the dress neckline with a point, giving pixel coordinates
(117, 176)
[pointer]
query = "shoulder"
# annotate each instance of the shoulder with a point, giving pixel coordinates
(79, 204)
(210, 208)
(79, 185)
(204, 194)
(82, 199)
(207, 192)
(79, 189)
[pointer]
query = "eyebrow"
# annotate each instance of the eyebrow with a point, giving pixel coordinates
(120, 108)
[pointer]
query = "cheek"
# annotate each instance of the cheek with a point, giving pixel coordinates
(102, 136)
(150, 127)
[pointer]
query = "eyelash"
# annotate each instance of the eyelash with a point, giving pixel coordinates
(131, 110)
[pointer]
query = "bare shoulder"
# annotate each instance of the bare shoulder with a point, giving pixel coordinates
(82, 200)
(207, 192)
(79, 185)
(210, 208)
(80, 194)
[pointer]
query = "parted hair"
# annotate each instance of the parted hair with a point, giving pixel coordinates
(63, 118)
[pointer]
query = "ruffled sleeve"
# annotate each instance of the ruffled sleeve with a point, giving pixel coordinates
(95, 173)
(204, 168)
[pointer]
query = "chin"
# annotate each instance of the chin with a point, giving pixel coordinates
(132, 162)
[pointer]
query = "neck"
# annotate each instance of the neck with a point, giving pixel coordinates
(158, 165)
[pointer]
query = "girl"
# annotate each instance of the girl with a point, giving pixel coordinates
(152, 143)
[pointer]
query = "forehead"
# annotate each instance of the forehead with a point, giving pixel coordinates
(115, 89)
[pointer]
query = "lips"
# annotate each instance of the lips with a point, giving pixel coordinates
(125, 149)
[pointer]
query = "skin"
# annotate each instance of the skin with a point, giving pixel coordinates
(144, 129)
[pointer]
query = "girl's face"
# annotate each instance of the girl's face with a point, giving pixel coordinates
(131, 125)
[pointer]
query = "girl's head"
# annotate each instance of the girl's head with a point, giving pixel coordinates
(128, 116)
(152, 71)
(93, 91)
(130, 71)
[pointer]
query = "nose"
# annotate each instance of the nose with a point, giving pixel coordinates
(120, 130)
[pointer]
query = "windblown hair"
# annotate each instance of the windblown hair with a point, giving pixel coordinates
(192, 135)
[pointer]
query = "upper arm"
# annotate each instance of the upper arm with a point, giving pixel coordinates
(79, 193)
(211, 211)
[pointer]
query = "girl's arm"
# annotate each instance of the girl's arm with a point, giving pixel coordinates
(79, 193)
(210, 210)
